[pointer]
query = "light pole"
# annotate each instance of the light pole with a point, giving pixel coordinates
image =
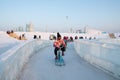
(66, 21)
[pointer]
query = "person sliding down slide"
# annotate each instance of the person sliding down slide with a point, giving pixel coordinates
(60, 46)
(59, 43)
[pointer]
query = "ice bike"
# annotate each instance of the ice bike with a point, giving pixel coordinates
(59, 61)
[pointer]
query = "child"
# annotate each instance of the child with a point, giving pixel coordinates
(59, 42)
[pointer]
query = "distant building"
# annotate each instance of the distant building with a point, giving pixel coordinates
(93, 31)
(79, 31)
(20, 28)
(85, 29)
(29, 27)
(82, 30)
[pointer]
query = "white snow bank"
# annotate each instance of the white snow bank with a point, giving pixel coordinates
(12, 61)
(7, 42)
(46, 35)
(100, 54)
(111, 41)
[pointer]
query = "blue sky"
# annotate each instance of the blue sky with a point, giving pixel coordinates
(51, 15)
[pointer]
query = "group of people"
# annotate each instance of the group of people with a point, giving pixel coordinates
(14, 35)
(59, 43)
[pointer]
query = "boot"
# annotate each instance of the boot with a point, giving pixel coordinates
(56, 57)
(62, 53)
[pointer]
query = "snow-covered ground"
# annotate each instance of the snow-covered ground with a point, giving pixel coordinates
(13, 59)
(7, 42)
(41, 65)
(102, 54)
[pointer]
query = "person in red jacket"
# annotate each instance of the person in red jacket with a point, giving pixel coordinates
(59, 42)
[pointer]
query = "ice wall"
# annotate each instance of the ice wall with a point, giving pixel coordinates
(105, 56)
(11, 62)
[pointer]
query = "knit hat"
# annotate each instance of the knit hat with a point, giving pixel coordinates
(58, 35)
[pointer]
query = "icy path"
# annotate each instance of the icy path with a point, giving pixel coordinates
(41, 67)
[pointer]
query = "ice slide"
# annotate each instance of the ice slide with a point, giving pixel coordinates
(41, 66)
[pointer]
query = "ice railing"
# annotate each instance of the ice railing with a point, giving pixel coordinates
(105, 56)
(12, 61)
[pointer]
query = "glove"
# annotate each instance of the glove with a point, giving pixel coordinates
(61, 45)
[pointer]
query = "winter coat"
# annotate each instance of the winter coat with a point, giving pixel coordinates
(59, 43)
